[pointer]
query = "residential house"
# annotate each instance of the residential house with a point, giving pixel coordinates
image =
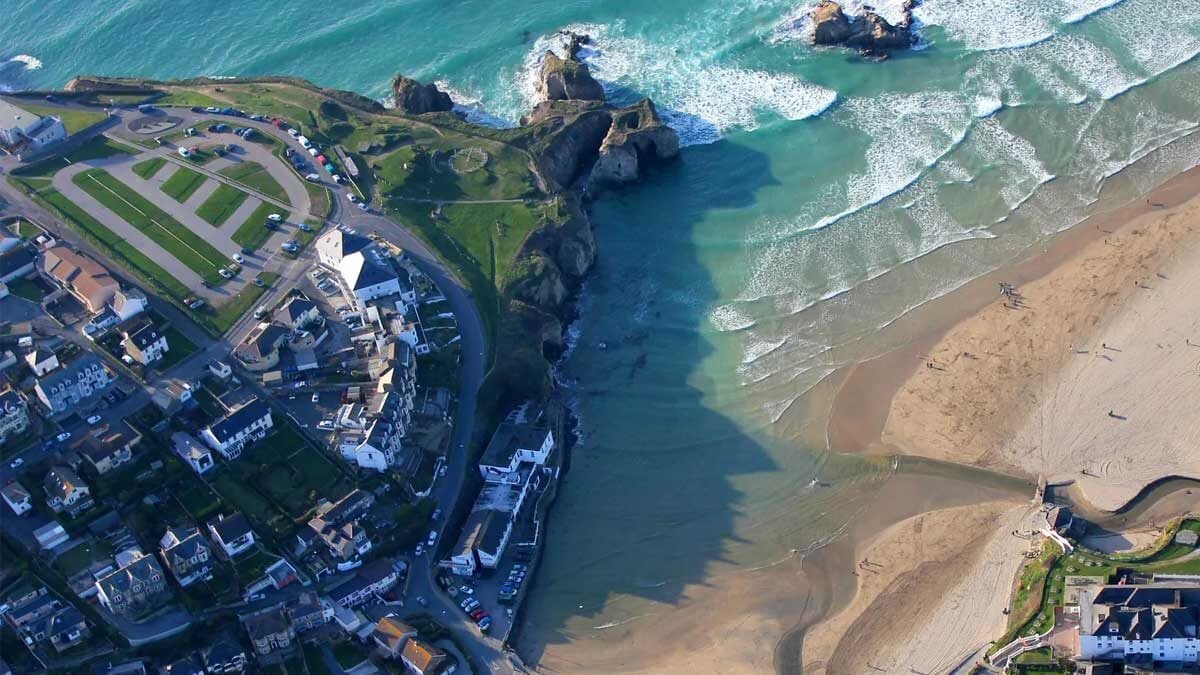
(191, 451)
(512, 444)
(17, 497)
(391, 634)
(245, 424)
(37, 615)
(422, 658)
(41, 360)
(368, 581)
(232, 533)
(280, 573)
(336, 526)
(105, 451)
(298, 313)
(51, 535)
(17, 263)
(259, 350)
(14, 415)
(66, 492)
(74, 384)
(272, 635)
(136, 587)
(308, 611)
(146, 344)
(376, 448)
(1151, 626)
(128, 303)
(22, 131)
(225, 655)
(185, 553)
(86, 279)
(220, 369)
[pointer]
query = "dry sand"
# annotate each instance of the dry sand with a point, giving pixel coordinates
(1029, 390)
(931, 595)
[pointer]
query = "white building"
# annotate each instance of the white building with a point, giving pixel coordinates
(367, 276)
(146, 344)
(376, 448)
(73, 384)
(1149, 625)
(232, 534)
(230, 434)
(17, 498)
(20, 129)
(41, 360)
(334, 245)
(128, 303)
(192, 452)
(512, 444)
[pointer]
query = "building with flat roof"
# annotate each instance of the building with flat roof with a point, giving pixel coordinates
(21, 130)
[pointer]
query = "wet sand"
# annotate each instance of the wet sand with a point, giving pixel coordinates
(1104, 320)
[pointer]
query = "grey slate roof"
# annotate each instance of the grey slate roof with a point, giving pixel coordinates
(229, 425)
(508, 439)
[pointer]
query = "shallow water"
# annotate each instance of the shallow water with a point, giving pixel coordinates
(819, 199)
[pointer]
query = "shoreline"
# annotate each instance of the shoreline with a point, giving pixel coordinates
(876, 412)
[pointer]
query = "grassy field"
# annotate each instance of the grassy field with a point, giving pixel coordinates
(254, 176)
(26, 288)
(146, 169)
(253, 233)
(183, 184)
(74, 120)
(179, 348)
(221, 204)
(188, 247)
(95, 148)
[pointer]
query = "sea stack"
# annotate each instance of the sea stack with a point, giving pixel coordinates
(868, 32)
(567, 79)
(417, 99)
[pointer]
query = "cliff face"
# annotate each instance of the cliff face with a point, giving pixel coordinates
(636, 136)
(567, 79)
(417, 99)
(554, 259)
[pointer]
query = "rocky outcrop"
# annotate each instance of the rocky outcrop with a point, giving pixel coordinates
(868, 32)
(417, 99)
(567, 79)
(554, 258)
(637, 136)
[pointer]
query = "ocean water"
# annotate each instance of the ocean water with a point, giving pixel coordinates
(819, 199)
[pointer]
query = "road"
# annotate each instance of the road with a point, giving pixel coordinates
(486, 654)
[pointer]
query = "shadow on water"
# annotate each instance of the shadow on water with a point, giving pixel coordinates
(647, 507)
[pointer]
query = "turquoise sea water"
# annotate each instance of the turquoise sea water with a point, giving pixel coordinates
(819, 198)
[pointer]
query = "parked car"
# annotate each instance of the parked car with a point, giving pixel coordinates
(485, 624)
(422, 601)
(362, 206)
(478, 614)
(432, 538)
(17, 462)
(260, 312)
(275, 218)
(224, 273)
(442, 471)
(212, 109)
(293, 133)
(304, 227)
(313, 151)
(246, 250)
(467, 589)
(313, 178)
(316, 398)
(437, 514)
(94, 419)
(237, 258)
(352, 197)
(326, 425)
(63, 436)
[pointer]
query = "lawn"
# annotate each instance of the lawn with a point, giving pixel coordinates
(81, 556)
(95, 148)
(183, 184)
(348, 655)
(188, 247)
(314, 661)
(198, 500)
(25, 229)
(289, 472)
(255, 176)
(146, 169)
(254, 233)
(264, 517)
(74, 120)
(179, 348)
(26, 288)
(221, 204)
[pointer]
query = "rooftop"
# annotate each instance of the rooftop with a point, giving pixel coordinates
(509, 438)
(233, 422)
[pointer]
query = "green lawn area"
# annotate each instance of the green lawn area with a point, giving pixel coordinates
(179, 348)
(198, 500)
(264, 517)
(255, 176)
(186, 98)
(79, 558)
(167, 232)
(74, 120)
(25, 229)
(504, 173)
(221, 204)
(26, 288)
(290, 472)
(314, 661)
(254, 233)
(146, 169)
(348, 655)
(95, 148)
(183, 184)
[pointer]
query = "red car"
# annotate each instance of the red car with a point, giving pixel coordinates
(478, 614)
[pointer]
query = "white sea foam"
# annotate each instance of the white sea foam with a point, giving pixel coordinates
(13, 68)
(31, 62)
(698, 98)
(1004, 24)
(1158, 40)
(471, 108)
(728, 318)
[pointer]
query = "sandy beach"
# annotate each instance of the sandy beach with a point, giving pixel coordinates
(1107, 318)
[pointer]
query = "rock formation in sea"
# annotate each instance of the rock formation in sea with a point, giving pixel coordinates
(868, 31)
(416, 99)
(575, 134)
